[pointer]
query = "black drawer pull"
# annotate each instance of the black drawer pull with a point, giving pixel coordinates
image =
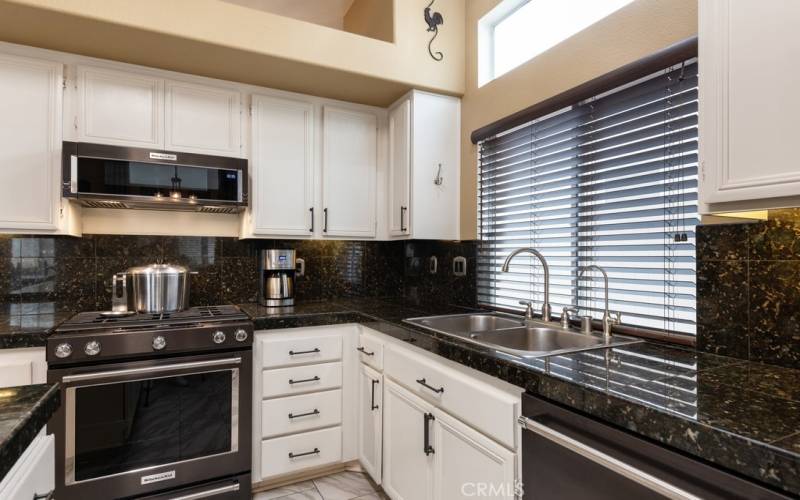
(315, 451)
(427, 448)
(315, 412)
(364, 351)
(373, 406)
(312, 379)
(45, 496)
(434, 389)
(312, 351)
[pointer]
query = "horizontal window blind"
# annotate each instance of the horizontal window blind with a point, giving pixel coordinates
(610, 181)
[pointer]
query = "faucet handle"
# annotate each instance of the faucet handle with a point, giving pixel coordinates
(565, 316)
(528, 308)
(616, 317)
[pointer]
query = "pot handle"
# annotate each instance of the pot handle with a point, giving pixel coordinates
(119, 301)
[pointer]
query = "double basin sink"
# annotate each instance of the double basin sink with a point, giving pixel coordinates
(517, 336)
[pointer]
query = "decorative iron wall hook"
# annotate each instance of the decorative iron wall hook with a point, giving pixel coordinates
(433, 20)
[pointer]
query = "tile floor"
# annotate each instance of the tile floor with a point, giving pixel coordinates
(345, 485)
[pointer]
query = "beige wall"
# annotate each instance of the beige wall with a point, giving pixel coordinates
(372, 18)
(627, 35)
(231, 42)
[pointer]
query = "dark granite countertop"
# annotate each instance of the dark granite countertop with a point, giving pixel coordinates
(742, 416)
(24, 411)
(29, 327)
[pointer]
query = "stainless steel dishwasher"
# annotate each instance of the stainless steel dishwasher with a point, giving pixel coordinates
(566, 455)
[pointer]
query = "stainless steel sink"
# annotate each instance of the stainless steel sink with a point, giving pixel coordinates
(514, 335)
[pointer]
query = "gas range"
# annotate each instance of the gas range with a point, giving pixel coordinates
(90, 337)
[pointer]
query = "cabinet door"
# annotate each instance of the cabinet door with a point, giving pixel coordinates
(349, 166)
(469, 464)
(22, 366)
(282, 167)
(202, 119)
(435, 157)
(370, 421)
(749, 100)
(30, 143)
(407, 470)
(399, 169)
(120, 108)
(33, 475)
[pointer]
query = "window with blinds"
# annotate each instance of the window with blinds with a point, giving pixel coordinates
(610, 181)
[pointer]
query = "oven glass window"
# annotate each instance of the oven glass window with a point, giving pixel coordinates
(130, 425)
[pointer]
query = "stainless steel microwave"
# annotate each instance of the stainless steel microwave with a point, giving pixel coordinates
(103, 176)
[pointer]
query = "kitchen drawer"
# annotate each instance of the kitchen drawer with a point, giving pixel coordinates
(34, 472)
(300, 379)
(300, 350)
(323, 447)
(474, 402)
(370, 350)
(308, 412)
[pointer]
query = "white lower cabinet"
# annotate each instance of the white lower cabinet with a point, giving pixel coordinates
(407, 469)
(22, 366)
(301, 451)
(370, 421)
(34, 473)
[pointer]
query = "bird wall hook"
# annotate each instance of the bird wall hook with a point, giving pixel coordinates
(433, 20)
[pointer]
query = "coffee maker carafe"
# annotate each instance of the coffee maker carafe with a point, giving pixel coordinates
(277, 270)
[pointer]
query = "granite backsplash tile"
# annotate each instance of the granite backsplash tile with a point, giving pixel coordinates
(748, 289)
(76, 273)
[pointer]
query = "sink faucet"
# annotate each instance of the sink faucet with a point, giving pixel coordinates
(538, 255)
(608, 320)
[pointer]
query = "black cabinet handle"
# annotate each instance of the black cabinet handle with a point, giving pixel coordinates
(324, 220)
(363, 350)
(315, 451)
(295, 353)
(434, 389)
(373, 406)
(307, 414)
(312, 379)
(427, 448)
(312, 219)
(403, 227)
(45, 496)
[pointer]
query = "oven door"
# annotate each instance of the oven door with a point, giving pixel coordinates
(132, 428)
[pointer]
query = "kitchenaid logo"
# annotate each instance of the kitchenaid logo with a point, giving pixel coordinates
(161, 476)
(163, 156)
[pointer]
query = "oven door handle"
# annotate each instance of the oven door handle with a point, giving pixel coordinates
(150, 369)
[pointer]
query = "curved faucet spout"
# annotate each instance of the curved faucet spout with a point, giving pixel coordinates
(608, 318)
(546, 305)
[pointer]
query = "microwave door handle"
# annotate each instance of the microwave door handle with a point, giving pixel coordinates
(145, 370)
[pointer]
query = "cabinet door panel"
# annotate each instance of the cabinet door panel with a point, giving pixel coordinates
(370, 422)
(120, 108)
(407, 471)
(470, 464)
(202, 119)
(399, 169)
(349, 167)
(748, 101)
(30, 144)
(282, 167)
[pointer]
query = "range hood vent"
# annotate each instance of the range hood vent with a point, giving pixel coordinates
(103, 176)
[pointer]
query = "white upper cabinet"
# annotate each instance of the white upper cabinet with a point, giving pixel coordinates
(399, 168)
(424, 132)
(30, 144)
(749, 103)
(133, 109)
(120, 108)
(349, 169)
(202, 119)
(282, 167)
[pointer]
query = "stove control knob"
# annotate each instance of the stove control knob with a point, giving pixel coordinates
(218, 337)
(63, 350)
(240, 335)
(92, 348)
(159, 342)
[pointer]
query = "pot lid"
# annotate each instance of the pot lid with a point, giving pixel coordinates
(158, 269)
